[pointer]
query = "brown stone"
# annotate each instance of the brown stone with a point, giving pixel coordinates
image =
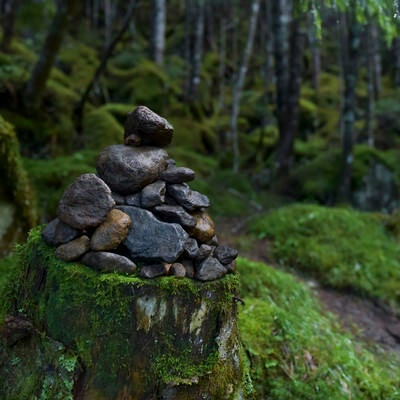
(86, 202)
(74, 249)
(178, 270)
(204, 229)
(111, 232)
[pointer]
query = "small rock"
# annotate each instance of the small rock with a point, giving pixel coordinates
(15, 328)
(144, 127)
(175, 214)
(152, 271)
(189, 268)
(118, 198)
(86, 202)
(175, 174)
(204, 229)
(56, 233)
(153, 194)
(126, 170)
(108, 262)
(74, 249)
(191, 248)
(134, 199)
(178, 270)
(151, 240)
(225, 254)
(187, 197)
(204, 251)
(111, 232)
(210, 269)
(213, 241)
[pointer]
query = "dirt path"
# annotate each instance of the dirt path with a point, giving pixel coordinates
(368, 321)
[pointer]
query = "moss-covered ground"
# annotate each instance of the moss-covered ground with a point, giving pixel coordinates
(297, 351)
(340, 247)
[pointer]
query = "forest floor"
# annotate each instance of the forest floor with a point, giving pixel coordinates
(370, 322)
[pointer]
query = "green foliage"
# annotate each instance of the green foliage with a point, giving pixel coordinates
(297, 352)
(51, 177)
(342, 248)
(10, 274)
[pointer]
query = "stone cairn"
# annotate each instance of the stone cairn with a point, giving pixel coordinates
(138, 213)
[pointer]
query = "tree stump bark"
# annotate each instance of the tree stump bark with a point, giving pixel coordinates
(165, 338)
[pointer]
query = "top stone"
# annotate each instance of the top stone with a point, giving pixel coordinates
(144, 127)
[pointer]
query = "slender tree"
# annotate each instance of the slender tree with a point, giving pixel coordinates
(41, 71)
(238, 87)
(159, 27)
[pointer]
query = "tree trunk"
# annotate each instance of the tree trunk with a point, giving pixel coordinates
(396, 54)
(372, 89)
(159, 26)
(41, 71)
(103, 63)
(315, 54)
(288, 69)
(238, 87)
(8, 22)
(350, 53)
(128, 338)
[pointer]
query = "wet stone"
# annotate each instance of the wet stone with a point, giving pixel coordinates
(210, 269)
(56, 233)
(118, 198)
(204, 230)
(74, 249)
(151, 240)
(178, 270)
(225, 254)
(85, 203)
(153, 194)
(175, 214)
(134, 199)
(189, 267)
(108, 262)
(191, 248)
(144, 127)
(128, 169)
(204, 251)
(153, 271)
(111, 232)
(188, 198)
(175, 174)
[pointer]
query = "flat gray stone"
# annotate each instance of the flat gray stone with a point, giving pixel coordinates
(174, 174)
(134, 199)
(74, 249)
(191, 248)
(151, 240)
(210, 269)
(153, 271)
(126, 170)
(225, 254)
(175, 214)
(85, 203)
(204, 251)
(178, 270)
(188, 198)
(56, 233)
(108, 262)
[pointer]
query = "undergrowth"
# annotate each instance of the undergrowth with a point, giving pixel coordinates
(342, 248)
(298, 352)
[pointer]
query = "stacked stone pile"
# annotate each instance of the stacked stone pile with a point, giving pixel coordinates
(139, 214)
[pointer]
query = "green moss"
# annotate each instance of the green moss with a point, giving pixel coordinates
(14, 178)
(342, 248)
(296, 351)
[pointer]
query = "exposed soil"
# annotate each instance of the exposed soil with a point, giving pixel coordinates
(372, 323)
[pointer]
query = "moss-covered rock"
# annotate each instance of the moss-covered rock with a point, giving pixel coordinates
(136, 338)
(17, 203)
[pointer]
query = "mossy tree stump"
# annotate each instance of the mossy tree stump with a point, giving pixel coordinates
(164, 338)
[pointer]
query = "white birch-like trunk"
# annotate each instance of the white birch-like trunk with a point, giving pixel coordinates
(159, 27)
